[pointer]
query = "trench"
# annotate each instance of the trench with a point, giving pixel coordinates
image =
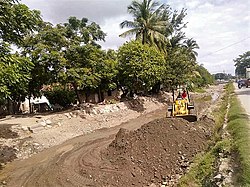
(225, 168)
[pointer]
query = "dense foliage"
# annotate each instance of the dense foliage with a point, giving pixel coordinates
(181, 67)
(69, 55)
(17, 21)
(88, 68)
(140, 66)
(62, 96)
(14, 74)
(204, 77)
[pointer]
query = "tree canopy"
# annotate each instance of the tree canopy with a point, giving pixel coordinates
(14, 74)
(181, 68)
(158, 25)
(17, 21)
(68, 55)
(149, 24)
(203, 77)
(141, 66)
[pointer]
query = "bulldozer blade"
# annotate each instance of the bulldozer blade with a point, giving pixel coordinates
(189, 118)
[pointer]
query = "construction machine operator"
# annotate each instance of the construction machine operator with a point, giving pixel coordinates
(184, 94)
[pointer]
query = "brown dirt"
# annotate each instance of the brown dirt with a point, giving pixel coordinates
(65, 164)
(152, 150)
(7, 154)
(6, 132)
(159, 151)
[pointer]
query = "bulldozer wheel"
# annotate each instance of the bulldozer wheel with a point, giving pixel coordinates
(192, 115)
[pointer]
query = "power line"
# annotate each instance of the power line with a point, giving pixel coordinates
(225, 47)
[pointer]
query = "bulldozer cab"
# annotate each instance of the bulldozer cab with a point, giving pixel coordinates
(182, 106)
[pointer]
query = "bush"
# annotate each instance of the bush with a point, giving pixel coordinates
(61, 96)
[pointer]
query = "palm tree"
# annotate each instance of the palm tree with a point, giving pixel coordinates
(190, 45)
(176, 40)
(149, 24)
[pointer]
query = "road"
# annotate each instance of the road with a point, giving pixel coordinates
(244, 96)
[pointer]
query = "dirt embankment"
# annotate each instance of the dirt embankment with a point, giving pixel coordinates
(158, 152)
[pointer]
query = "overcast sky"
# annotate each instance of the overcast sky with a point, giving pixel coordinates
(220, 27)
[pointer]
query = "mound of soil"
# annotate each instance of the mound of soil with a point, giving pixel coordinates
(159, 151)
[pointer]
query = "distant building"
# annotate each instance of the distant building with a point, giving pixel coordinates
(38, 104)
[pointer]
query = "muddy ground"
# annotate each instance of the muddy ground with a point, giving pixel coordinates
(159, 151)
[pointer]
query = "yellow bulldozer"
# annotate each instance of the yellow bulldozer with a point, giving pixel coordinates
(182, 106)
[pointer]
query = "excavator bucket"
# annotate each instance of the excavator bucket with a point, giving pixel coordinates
(189, 117)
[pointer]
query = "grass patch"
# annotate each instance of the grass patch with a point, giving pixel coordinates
(202, 169)
(199, 90)
(203, 99)
(239, 127)
(204, 164)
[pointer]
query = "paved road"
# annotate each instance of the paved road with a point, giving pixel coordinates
(244, 97)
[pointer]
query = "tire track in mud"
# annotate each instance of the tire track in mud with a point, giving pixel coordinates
(65, 170)
(64, 165)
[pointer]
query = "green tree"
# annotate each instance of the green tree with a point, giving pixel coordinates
(181, 53)
(80, 32)
(222, 76)
(108, 68)
(45, 50)
(203, 77)
(82, 55)
(60, 94)
(191, 45)
(14, 75)
(17, 21)
(177, 24)
(181, 68)
(241, 63)
(149, 22)
(140, 66)
(66, 53)
(88, 68)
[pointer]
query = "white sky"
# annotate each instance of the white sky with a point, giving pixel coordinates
(220, 27)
